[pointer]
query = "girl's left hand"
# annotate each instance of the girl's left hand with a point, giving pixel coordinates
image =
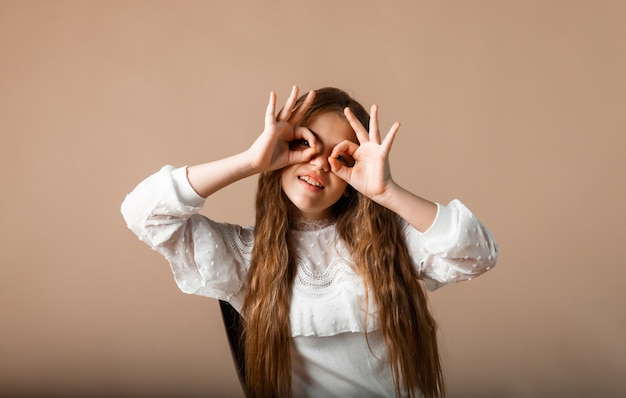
(371, 174)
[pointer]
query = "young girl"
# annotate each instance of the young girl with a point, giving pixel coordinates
(329, 282)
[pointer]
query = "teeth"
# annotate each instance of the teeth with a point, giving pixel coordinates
(311, 181)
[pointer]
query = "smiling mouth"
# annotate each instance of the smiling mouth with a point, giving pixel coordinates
(311, 181)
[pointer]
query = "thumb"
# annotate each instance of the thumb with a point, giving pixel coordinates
(340, 170)
(301, 156)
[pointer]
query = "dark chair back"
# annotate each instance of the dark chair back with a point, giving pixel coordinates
(234, 332)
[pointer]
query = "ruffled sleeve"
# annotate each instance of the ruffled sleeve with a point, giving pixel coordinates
(457, 247)
(207, 258)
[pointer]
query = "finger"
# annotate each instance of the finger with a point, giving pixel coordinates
(359, 130)
(344, 147)
(344, 153)
(305, 134)
(286, 111)
(391, 135)
(300, 156)
(299, 153)
(271, 109)
(298, 112)
(339, 169)
(374, 134)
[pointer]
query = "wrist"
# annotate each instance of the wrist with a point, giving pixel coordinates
(417, 211)
(386, 197)
(249, 163)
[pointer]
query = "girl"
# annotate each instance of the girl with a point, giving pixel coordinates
(329, 282)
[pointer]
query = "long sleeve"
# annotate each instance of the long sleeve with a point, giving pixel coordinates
(457, 247)
(207, 258)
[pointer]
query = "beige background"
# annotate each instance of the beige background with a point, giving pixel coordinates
(515, 107)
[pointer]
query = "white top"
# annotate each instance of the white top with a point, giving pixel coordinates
(330, 354)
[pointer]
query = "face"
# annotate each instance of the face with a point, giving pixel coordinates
(311, 187)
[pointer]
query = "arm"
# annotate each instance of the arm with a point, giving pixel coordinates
(457, 247)
(418, 212)
(206, 257)
(371, 173)
(447, 243)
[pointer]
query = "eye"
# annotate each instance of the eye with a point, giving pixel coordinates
(347, 160)
(298, 144)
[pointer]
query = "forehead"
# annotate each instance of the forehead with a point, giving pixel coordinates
(331, 128)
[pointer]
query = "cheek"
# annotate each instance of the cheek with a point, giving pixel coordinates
(339, 185)
(287, 181)
(284, 173)
(282, 183)
(337, 181)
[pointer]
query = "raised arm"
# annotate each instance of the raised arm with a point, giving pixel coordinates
(210, 258)
(447, 243)
(269, 152)
(371, 173)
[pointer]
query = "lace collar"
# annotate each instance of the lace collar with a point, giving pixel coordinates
(305, 224)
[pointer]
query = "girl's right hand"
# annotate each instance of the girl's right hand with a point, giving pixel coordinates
(271, 149)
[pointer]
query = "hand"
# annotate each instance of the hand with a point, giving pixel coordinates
(371, 174)
(271, 150)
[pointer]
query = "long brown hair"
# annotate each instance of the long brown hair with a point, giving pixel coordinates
(374, 235)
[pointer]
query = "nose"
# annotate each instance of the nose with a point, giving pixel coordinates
(320, 162)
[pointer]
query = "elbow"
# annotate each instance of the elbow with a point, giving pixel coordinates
(486, 253)
(487, 259)
(493, 252)
(135, 220)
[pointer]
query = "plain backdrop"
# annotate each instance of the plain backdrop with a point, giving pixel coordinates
(518, 108)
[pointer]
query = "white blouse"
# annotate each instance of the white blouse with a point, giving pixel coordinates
(328, 307)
